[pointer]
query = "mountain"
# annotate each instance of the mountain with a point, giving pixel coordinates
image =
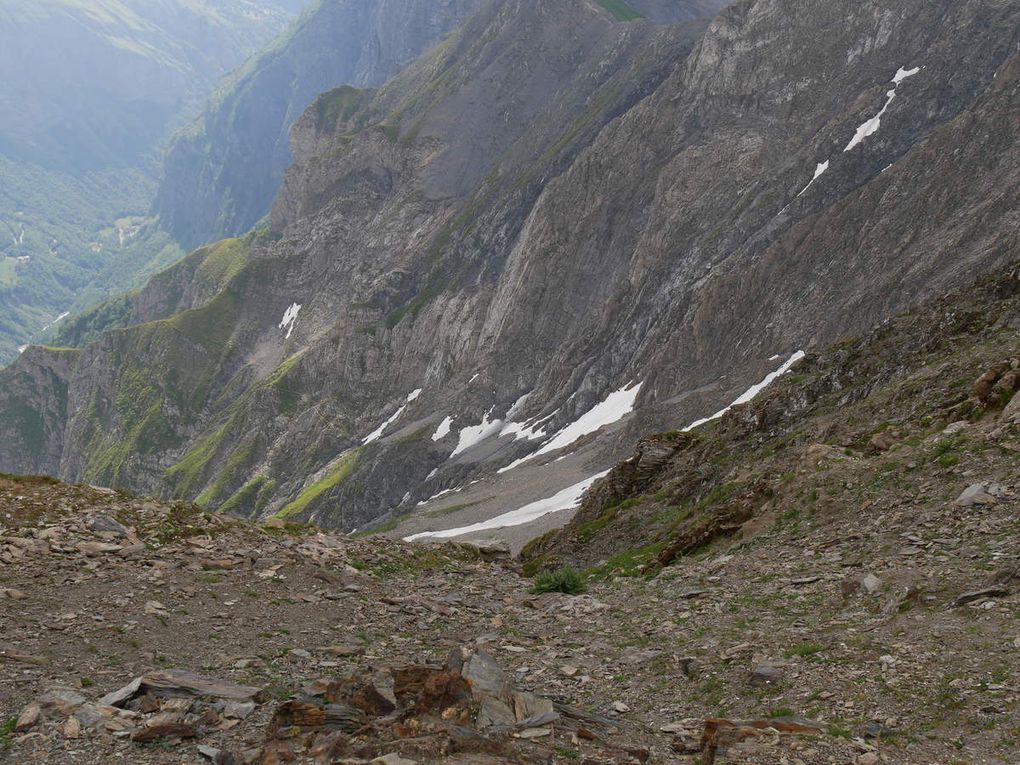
(88, 92)
(222, 173)
(553, 234)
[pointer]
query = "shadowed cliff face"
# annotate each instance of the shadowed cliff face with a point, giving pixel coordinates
(551, 207)
(222, 173)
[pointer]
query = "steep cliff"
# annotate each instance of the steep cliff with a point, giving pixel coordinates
(554, 219)
(222, 173)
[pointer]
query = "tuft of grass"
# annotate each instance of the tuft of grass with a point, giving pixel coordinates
(566, 580)
(805, 650)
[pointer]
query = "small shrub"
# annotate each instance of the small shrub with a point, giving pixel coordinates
(565, 580)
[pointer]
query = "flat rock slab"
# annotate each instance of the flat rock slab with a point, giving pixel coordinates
(180, 683)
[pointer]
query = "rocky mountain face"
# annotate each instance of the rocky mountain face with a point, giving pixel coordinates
(222, 173)
(901, 416)
(88, 93)
(553, 233)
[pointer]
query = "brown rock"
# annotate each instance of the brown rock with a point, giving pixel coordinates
(28, 718)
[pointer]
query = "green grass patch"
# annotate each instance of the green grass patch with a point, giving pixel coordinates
(333, 478)
(628, 563)
(7, 732)
(566, 580)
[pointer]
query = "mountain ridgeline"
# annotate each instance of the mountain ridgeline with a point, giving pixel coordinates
(555, 206)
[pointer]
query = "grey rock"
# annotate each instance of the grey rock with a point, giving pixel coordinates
(871, 584)
(979, 494)
(104, 524)
(766, 674)
(485, 677)
(494, 713)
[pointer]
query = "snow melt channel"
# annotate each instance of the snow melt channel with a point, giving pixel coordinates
(376, 434)
(751, 393)
(566, 499)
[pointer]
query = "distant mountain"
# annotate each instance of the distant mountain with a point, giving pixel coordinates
(95, 85)
(223, 172)
(556, 231)
(88, 92)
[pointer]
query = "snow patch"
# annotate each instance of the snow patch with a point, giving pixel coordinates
(752, 392)
(616, 406)
(475, 434)
(566, 499)
(289, 318)
(376, 434)
(871, 127)
(902, 74)
(819, 171)
(22, 348)
(443, 430)
(57, 320)
(432, 475)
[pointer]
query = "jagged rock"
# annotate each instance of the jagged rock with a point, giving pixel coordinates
(163, 730)
(71, 728)
(62, 701)
(488, 549)
(482, 674)
(766, 674)
(882, 442)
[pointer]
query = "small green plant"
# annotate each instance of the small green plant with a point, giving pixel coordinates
(7, 732)
(87, 682)
(805, 650)
(566, 580)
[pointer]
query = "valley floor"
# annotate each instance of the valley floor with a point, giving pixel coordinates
(851, 623)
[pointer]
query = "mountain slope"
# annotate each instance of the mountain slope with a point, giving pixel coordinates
(88, 91)
(553, 220)
(222, 173)
(798, 565)
(905, 414)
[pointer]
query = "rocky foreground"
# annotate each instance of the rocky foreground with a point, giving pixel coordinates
(132, 631)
